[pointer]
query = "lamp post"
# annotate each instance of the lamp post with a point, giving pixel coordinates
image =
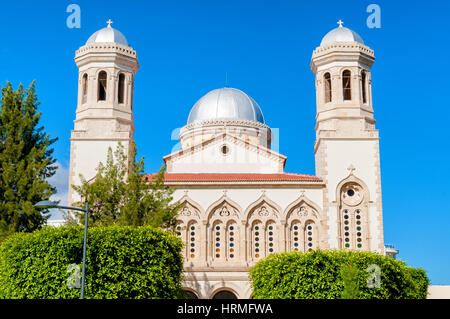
(48, 204)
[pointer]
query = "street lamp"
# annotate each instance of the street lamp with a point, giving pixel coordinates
(48, 204)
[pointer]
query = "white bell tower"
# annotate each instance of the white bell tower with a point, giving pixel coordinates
(347, 142)
(104, 115)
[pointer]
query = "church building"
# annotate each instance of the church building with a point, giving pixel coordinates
(239, 204)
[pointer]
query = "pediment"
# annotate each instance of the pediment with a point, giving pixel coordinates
(225, 153)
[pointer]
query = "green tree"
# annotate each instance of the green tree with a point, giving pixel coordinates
(350, 280)
(26, 161)
(119, 193)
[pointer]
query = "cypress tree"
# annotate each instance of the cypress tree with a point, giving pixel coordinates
(26, 161)
(121, 195)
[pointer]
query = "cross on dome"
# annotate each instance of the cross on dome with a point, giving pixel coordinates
(109, 23)
(340, 22)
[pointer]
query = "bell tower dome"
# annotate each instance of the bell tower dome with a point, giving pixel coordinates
(104, 114)
(347, 143)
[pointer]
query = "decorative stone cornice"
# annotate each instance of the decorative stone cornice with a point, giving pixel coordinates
(223, 123)
(345, 46)
(340, 52)
(105, 48)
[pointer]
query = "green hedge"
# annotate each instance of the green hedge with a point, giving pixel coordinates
(321, 274)
(121, 262)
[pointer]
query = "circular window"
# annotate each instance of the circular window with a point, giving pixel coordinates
(224, 149)
(350, 192)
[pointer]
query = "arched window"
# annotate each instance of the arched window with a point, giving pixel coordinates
(180, 230)
(188, 294)
(327, 83)
(102, 80)
(270, 238)
(121, 88)
(295, 236)
(262, 218)
(363, 84)
(224, 294)
(310, 235)
(218, 234)
(353, 216)
(84, 85)
(232, 240)
(192, 240)
(346, 85)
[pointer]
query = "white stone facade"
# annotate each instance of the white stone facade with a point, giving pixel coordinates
(239, 204)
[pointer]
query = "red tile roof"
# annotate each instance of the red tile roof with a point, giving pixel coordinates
(233, 177)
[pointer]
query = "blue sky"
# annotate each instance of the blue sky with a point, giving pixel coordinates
(186, 47)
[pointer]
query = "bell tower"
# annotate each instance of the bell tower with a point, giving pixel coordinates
(347, 143)
(104, 114)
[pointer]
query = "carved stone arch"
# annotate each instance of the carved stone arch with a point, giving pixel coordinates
(190, 208)
(189, 227)
(355, 180)
(299, 202)
(97, 72)
(219, 287)
(191, 293)
(264, 231)
(218, 206)
(219, 215)
(353, 198)
(297, 216)
(258, 206)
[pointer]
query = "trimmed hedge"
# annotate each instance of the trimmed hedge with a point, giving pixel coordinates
(121, 262)
(319, 275)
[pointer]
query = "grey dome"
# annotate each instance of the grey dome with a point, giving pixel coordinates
(108, 34)
(226, 103)
(341, 34)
